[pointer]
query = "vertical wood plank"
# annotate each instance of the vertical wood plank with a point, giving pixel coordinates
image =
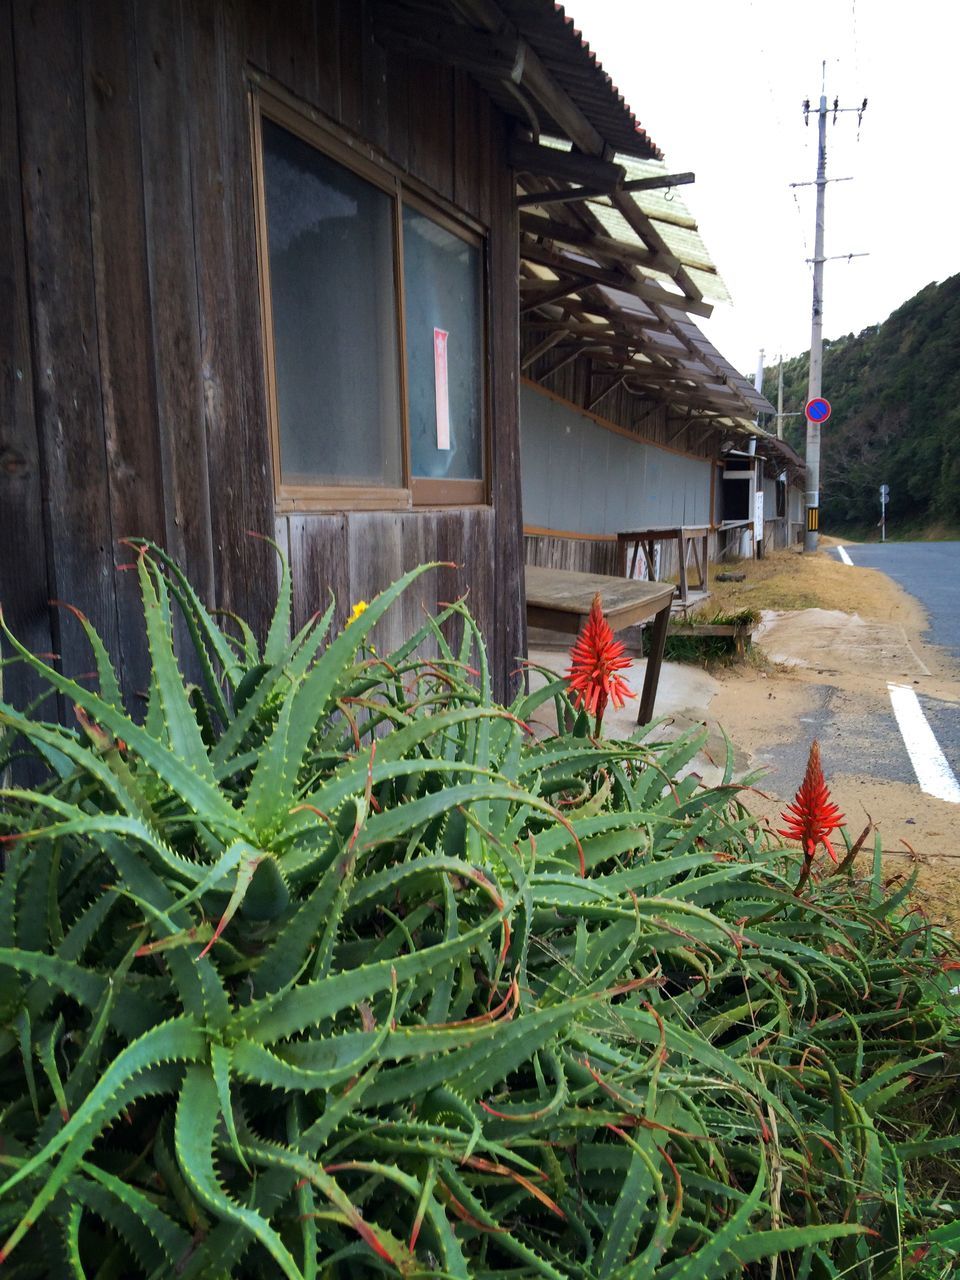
(430, 156)
(283, 41)
(418, 545)
(67, 386)
(238, 204)
(23, 554)
(398, 108)
(375, 554)
(171, 260)
(319, 561)
(236, 439)
(123, 308)
(466, 538)
(469, 146)
(510, 631)
(376, 124)
(349, 35)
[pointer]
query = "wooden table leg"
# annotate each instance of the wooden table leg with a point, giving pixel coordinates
(651, 679)
(682, 546)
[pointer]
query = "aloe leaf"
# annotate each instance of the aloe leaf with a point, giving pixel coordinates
(154, 1237)
(201, 793)
(204, 630)
(279, 1016)
(314, 695)
(278, 634)
(196, 1125)
(106, 676)
(81, 984)
(77, 822)
(767, 1244)
(274, 777)
(292, 665)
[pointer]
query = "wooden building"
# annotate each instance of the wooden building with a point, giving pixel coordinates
(223, 228)
(259, 264)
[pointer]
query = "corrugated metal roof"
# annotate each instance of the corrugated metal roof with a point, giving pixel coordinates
(576, 68)
(533, 31)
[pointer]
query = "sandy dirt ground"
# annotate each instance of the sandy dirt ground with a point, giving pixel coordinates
(828, 667)
(830, 639)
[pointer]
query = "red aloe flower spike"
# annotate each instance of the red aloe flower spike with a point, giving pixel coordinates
(595, 660)
(813, 815)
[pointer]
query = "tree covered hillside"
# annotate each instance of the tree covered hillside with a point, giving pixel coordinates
(895, 392)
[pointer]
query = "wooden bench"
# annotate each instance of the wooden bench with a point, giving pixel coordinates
(688, 538)
(561, 599)
(742, 633)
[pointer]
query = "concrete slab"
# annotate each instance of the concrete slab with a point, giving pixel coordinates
(828, 640)
(683, 698)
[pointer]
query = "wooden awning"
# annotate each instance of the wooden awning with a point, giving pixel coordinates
(618, 275)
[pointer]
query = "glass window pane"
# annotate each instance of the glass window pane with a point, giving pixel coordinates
(444, 328)
(330, 236)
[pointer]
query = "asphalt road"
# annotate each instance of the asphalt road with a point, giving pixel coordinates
(930, 572)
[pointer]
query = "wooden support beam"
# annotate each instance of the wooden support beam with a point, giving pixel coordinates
(538, 83)
(659, 182)
(605, 392)
(565, 166)
(580, 330)
(547, 291)
(560, 195)
(591, 192)
(541, 349)
(602, 246)
(648, 233)
(640, 326)
(578, 350)
(501, 56)
(647, 292)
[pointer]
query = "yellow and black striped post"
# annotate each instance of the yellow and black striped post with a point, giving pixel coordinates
(813, 519)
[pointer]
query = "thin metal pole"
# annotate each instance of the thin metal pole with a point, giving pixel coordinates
(811, 535)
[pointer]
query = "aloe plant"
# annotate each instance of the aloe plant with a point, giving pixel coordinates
(329, 966)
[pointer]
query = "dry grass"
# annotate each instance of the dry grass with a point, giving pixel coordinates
(791, 579)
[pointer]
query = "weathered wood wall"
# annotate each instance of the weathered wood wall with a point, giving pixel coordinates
(131, 379)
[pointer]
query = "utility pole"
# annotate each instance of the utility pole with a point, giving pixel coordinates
(780, 399)
(811, 535)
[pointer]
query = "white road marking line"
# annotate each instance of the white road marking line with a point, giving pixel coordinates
(842, 553)
(934, 774)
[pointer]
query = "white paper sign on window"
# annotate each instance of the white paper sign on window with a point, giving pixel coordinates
(442, 385)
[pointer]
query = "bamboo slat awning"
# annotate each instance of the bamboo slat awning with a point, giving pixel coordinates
(618, 276)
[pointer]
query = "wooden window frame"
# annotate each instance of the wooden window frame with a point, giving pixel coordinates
(334, 142)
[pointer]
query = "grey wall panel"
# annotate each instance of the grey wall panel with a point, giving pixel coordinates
(579, 477)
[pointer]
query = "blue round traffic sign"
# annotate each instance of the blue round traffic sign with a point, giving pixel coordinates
(818, 409)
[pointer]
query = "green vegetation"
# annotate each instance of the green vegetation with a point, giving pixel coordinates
(330, 969)
(895, 392)
(690, 641)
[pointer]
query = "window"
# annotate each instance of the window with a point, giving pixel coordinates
(374, 334)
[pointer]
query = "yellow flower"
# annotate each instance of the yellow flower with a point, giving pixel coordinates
(356, 611)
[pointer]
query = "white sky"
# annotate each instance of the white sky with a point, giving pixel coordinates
(718, 85)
